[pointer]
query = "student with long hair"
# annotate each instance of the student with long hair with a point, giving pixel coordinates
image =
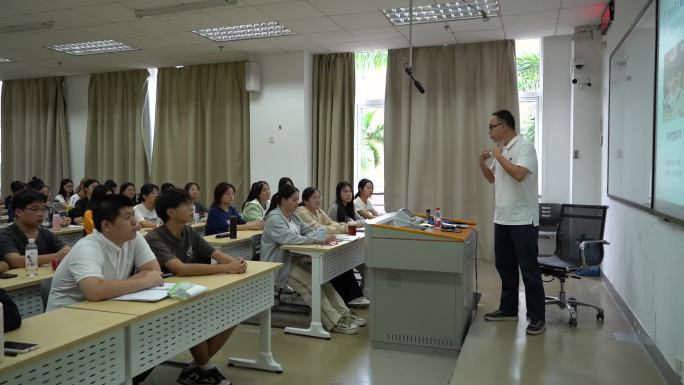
(66, 190)
(342, 208)
(283, 227)
(144, 210)
(285, 181)
(362, 203)
(193, 190)
(83, 204)
(128, 190)
(257, 202)
(222, 209)
(79, 194)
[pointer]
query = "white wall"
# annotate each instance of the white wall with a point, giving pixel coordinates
(586, 123)
(76, 93)
(556, 152)
(281, 112)
(644, 261)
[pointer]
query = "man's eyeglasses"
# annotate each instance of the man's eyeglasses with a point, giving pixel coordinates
(43, 209)
(493, 126)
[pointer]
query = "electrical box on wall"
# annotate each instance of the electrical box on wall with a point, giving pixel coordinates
(253, 76)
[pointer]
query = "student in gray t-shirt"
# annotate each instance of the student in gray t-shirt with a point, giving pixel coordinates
(183, 252)
(30, 209)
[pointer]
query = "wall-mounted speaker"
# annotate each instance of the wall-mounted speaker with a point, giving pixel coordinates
(253, 76)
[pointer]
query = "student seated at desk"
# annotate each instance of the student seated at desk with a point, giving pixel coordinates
(362, 203)
(182, 251)
(342, 208)
(38, 185)
(15, 186)
(110, 185)
(30, 211)
(257, 202)
(98, 194)
(193, 190)
(144, 211)
(76, 214)
(309, 211)
(128, 190)
(112, 261)
(10, 312)
(80, 193)
(222, 209)
(283, 227)
(66, 191)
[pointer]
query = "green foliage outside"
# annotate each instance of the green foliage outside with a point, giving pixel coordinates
(373, 133)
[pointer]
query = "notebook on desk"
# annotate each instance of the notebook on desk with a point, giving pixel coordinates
(154, 294)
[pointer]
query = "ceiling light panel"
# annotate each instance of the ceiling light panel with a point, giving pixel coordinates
(92, 47)
(435, 13)
(245, 32)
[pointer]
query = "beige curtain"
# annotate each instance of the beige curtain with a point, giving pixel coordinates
(202, 128)
(114, 140)
(433, 140)
(34, 135)
(333, 122)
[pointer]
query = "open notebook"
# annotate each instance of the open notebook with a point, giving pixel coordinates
(148, 295)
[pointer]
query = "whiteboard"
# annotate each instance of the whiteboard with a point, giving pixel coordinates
(631, 112)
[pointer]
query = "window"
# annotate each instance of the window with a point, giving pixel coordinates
(529, 91)
(369, 151)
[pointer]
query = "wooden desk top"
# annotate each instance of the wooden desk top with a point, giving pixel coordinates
(71, 229)
(320, 248)
(21, 280)
(444, 235)
(212, 282)
(242, 235)
(56, 331)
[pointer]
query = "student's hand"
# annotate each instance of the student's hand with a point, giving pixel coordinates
(236, 267)
(256, 225)
(152, 277)
(66, 221)
(330, 240)
(63, 252)
(484, 155)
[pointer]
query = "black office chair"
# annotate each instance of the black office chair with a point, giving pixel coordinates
(549, 216)
(45, 292)
(579, 244)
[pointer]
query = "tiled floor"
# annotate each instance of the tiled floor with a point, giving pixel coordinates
(494, 353)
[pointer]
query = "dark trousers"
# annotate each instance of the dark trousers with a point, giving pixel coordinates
(516, 247)
(347, 286)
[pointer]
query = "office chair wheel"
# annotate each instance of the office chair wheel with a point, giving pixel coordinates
(573, 322)
(599, 317)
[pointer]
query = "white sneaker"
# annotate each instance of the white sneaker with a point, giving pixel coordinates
(356, 319)
(346, 325)
(359, 302)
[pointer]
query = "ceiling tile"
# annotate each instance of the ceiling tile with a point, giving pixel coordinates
(341, 7)
(530, 20)
(376, 33)
(239, 16)
(530, 31)
(292, 43)
(580, 16)
(313, 25)
(191, 21)
(494, 23)
(252, 46)
(512, 7)
(149, 26)
(362, 20)
(31, 6)
(289, 11)
(386, 44)
(583, 3)
(331, 37)
(479, 36)
(109, 12)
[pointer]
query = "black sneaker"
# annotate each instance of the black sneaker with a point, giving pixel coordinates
(498, 315)
(536, 327)
(188, 376)
(218, 376)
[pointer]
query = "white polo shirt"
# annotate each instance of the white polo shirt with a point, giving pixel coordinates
(517, 203)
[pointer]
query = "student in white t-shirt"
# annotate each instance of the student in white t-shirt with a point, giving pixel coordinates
(513, 172)
(362, 202)
(112, 261)
(144, 211)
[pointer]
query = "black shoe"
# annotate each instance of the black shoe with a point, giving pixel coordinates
(188, 376)
(536, 327)
(498, 315)
(211, 377)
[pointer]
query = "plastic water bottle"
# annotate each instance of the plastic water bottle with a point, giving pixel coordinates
(195, 215)
(31, 259)
(438, 218)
